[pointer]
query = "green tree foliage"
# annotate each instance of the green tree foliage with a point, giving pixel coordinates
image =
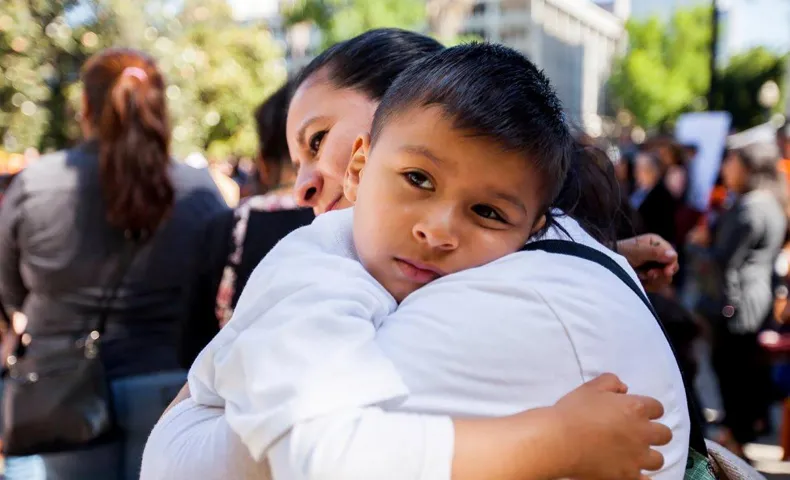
(740, 83)
(217, 70)
(35, 61)
(223, 71)
(665, 69)
(339, 20)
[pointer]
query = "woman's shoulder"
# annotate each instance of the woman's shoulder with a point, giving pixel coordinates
(187, 178)
(760, 201)
(61, 169)
(757, 210)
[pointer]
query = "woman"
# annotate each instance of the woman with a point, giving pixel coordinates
(651, 198)
(235, 241)
(344, 85)
(62, 230)
(741, 254)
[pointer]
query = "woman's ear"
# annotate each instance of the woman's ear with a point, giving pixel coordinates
(539, 224)
(359, 157)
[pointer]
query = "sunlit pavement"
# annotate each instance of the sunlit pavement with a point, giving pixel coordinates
(766, 455)
(767, 459)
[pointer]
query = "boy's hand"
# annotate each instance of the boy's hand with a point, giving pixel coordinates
(608, 434)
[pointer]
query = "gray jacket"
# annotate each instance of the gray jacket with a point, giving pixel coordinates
(747, 242)
(58, 254)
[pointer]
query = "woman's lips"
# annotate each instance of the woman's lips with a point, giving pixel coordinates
(329, 207)
(418, 272)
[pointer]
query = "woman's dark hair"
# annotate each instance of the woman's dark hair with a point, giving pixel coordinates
(126, 103)
(370, 62)
(270, 118)
(496, 92)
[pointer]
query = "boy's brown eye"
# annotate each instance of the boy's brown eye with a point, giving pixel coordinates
(488, 213)
(419, 180)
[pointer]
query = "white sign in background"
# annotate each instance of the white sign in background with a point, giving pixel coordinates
(708, 131)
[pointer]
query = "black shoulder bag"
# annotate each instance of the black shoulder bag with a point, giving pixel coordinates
(58, 398)
(699, 465)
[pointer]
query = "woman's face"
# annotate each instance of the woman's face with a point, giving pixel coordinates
(323, 123)
(734, 174)
(646, 173)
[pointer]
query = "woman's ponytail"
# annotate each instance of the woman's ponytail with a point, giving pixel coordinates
(590, 193)
(132, 128)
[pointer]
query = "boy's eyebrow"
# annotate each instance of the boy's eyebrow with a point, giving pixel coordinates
(511, 199)
(300, 134)
(422, 151)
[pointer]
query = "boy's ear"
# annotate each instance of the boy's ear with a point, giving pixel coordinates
(359, 157)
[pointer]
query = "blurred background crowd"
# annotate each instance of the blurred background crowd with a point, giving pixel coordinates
(689, 99)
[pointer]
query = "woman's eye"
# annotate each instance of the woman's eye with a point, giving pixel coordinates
(315, 141)
(488, 213)
(419, 180)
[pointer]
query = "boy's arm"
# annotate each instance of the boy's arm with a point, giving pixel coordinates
(591, 433)
(306, 348)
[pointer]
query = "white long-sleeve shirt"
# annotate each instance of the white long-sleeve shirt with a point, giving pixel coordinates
(515, 334)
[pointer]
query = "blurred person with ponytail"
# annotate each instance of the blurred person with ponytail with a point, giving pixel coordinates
(63, 227)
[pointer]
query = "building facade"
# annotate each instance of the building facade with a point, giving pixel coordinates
(573, 41)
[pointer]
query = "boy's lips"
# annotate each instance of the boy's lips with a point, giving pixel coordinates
(418, 272)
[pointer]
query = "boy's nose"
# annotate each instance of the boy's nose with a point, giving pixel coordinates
(437, 232)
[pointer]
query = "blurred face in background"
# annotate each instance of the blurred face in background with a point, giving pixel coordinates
(734, 174)
(647, 172)
(323, 123)
(666, 156)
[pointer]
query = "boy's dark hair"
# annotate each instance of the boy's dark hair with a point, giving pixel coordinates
(270, 118)
(496, 92)
(370, 62)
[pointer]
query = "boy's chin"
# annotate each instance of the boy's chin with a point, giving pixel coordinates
(400, 291)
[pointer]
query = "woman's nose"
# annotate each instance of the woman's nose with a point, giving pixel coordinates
(308, 186)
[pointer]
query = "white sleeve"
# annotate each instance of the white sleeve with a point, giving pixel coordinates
(363, 444)
(194, 441)
(311, 353)
(301, 343)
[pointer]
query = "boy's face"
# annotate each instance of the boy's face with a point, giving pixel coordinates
(431, 201)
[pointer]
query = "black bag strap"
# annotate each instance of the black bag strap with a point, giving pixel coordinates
(128, 254)
(565, 247)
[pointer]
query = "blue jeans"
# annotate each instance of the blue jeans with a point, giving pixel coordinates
(139, 402)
